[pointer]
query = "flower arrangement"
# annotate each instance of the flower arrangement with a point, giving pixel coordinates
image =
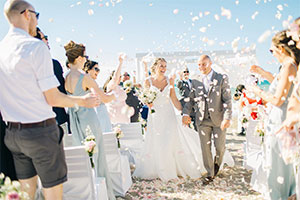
(144, 125)
(11, 190)
(119, 134)
(90, 144)
(260, 130)
(147, 96)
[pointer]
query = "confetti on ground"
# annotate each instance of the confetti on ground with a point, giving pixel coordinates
(231, 183)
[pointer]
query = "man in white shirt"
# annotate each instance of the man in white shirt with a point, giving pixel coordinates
(210, 97)
(28, 91)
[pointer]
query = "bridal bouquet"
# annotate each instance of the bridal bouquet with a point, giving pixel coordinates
(11, 190)
(147, 96)
(119, 134)
(90, 144)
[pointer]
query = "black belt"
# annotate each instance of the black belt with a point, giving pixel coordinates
(19, 125)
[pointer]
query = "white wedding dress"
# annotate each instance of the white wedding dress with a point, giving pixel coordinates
(170, 150)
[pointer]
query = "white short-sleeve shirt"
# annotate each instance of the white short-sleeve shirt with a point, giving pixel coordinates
(26, 71)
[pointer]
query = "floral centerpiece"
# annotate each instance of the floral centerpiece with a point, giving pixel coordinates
(90, 144)
(11, 190)
(119, 134)
(147, 96)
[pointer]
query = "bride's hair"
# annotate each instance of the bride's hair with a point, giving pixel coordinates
(156, 62)
(281, 39)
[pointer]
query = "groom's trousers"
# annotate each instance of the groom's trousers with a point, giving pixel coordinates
(209, 133)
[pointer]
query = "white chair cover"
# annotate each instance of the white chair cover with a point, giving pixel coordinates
(118, 165)
(82, 184)
(253, 147)
(133, 140)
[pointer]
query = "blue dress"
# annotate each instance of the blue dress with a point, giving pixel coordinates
(82, 118)
(103, 117)
(273, 178)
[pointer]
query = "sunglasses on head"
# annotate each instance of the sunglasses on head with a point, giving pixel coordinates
(32, 11)
(96, 69)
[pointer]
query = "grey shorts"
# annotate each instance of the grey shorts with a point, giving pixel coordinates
(38, 151)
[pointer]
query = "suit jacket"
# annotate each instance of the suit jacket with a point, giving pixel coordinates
(61, 115)
(184, 88)
(134, 102)
(219, 103)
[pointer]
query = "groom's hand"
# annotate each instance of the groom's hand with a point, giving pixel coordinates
(186, 120)
(225, 124)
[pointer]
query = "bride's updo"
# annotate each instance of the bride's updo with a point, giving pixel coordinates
(74, 50)
(156, 63)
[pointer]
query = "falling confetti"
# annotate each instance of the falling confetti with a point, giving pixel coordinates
(226, 13)
(254, 15)
(90, 12)
(120, 19)
(175, 11)
(206, 13)
(235, 44)
(264, 36)
(280, 7)
(202, 29)
(58, 39)
(217, 17)
(51, 20)
(92, 3)
(280, 179)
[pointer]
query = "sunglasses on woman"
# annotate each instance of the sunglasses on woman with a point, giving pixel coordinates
(96, 69)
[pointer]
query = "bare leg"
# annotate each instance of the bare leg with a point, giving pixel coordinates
(53, 193)
(29, 186)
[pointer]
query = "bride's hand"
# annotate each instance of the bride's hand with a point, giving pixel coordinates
(172, 79)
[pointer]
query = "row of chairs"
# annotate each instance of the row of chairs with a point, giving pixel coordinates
(82, 183)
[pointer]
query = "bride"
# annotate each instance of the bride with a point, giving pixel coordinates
(170, 150)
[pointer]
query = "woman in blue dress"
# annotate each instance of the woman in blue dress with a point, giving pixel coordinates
(279, 178)
(92, 68)
(84, 120)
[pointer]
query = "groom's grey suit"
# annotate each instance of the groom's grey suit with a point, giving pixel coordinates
(211, 108)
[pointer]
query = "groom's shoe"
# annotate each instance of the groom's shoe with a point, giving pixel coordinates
(217, 167)
(207, 180)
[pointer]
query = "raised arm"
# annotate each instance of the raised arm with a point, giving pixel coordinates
(282, 89)
(266, 75)
(90, 83)
(115, 79)
(173, 96)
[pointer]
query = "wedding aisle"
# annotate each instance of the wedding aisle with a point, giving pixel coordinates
(231, 183)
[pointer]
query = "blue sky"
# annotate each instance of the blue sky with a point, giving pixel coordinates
(151, 25)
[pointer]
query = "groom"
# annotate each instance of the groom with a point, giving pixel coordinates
(211, 98)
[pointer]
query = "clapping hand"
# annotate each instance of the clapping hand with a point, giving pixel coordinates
(91, 100)
(172, 79)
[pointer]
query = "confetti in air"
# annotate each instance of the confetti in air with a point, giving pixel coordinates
(264, 36)
(175, 11)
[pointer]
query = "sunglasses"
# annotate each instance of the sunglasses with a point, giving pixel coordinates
(271, 51)
(87, 57)
(96, 69)
(37, 15)
(186, 72)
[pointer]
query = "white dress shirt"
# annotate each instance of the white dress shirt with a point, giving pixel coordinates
(26, 71)
(206, 79)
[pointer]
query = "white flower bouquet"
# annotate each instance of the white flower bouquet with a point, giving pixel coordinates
(147, 96)
(11, 190)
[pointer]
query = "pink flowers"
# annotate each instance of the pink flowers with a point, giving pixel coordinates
(12, 196)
